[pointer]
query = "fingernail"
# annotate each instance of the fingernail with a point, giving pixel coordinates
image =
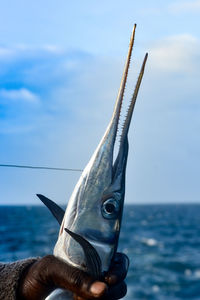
(98, 288)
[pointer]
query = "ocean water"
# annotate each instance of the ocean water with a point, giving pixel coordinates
(162, 242)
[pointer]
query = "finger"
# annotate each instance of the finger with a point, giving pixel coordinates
(65, 276)
(118, 269)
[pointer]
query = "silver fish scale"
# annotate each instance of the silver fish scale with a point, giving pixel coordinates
(60, 294)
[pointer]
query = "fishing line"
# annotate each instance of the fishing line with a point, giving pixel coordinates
(40, 168)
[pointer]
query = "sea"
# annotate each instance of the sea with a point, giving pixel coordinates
(161, 241)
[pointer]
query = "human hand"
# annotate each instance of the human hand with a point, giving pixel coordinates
(49, 273)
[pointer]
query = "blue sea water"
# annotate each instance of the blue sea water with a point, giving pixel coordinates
(162, 242)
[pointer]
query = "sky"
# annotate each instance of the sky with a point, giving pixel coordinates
(61, 64)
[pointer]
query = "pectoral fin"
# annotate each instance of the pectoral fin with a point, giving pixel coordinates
(93, 261)
(56, 210)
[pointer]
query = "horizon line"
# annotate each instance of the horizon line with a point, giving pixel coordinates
(125, 204)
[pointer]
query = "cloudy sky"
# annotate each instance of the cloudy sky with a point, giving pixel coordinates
(60, 68)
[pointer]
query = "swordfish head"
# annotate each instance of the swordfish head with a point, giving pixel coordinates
(94, 211)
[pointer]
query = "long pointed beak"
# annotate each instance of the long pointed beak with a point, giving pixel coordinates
(106, 146)
(113, 125)
(121, 160)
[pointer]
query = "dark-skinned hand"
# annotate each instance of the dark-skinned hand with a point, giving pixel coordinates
(49, 273)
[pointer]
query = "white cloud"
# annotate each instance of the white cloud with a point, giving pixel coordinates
(185, 6)
(53, 49)
(176, 53)
(22, 51)
(7, 128)
(4, 52)
(22, 94)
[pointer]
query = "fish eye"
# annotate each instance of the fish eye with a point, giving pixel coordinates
(110, 208)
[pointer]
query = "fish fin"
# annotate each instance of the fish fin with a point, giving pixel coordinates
(56, 210)
(93, 261)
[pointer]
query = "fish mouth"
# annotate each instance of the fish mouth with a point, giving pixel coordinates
(118, 166)
(102, 170)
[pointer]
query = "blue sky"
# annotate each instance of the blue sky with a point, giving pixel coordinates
(60, 68)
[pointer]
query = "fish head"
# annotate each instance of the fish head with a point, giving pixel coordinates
(95, 208)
